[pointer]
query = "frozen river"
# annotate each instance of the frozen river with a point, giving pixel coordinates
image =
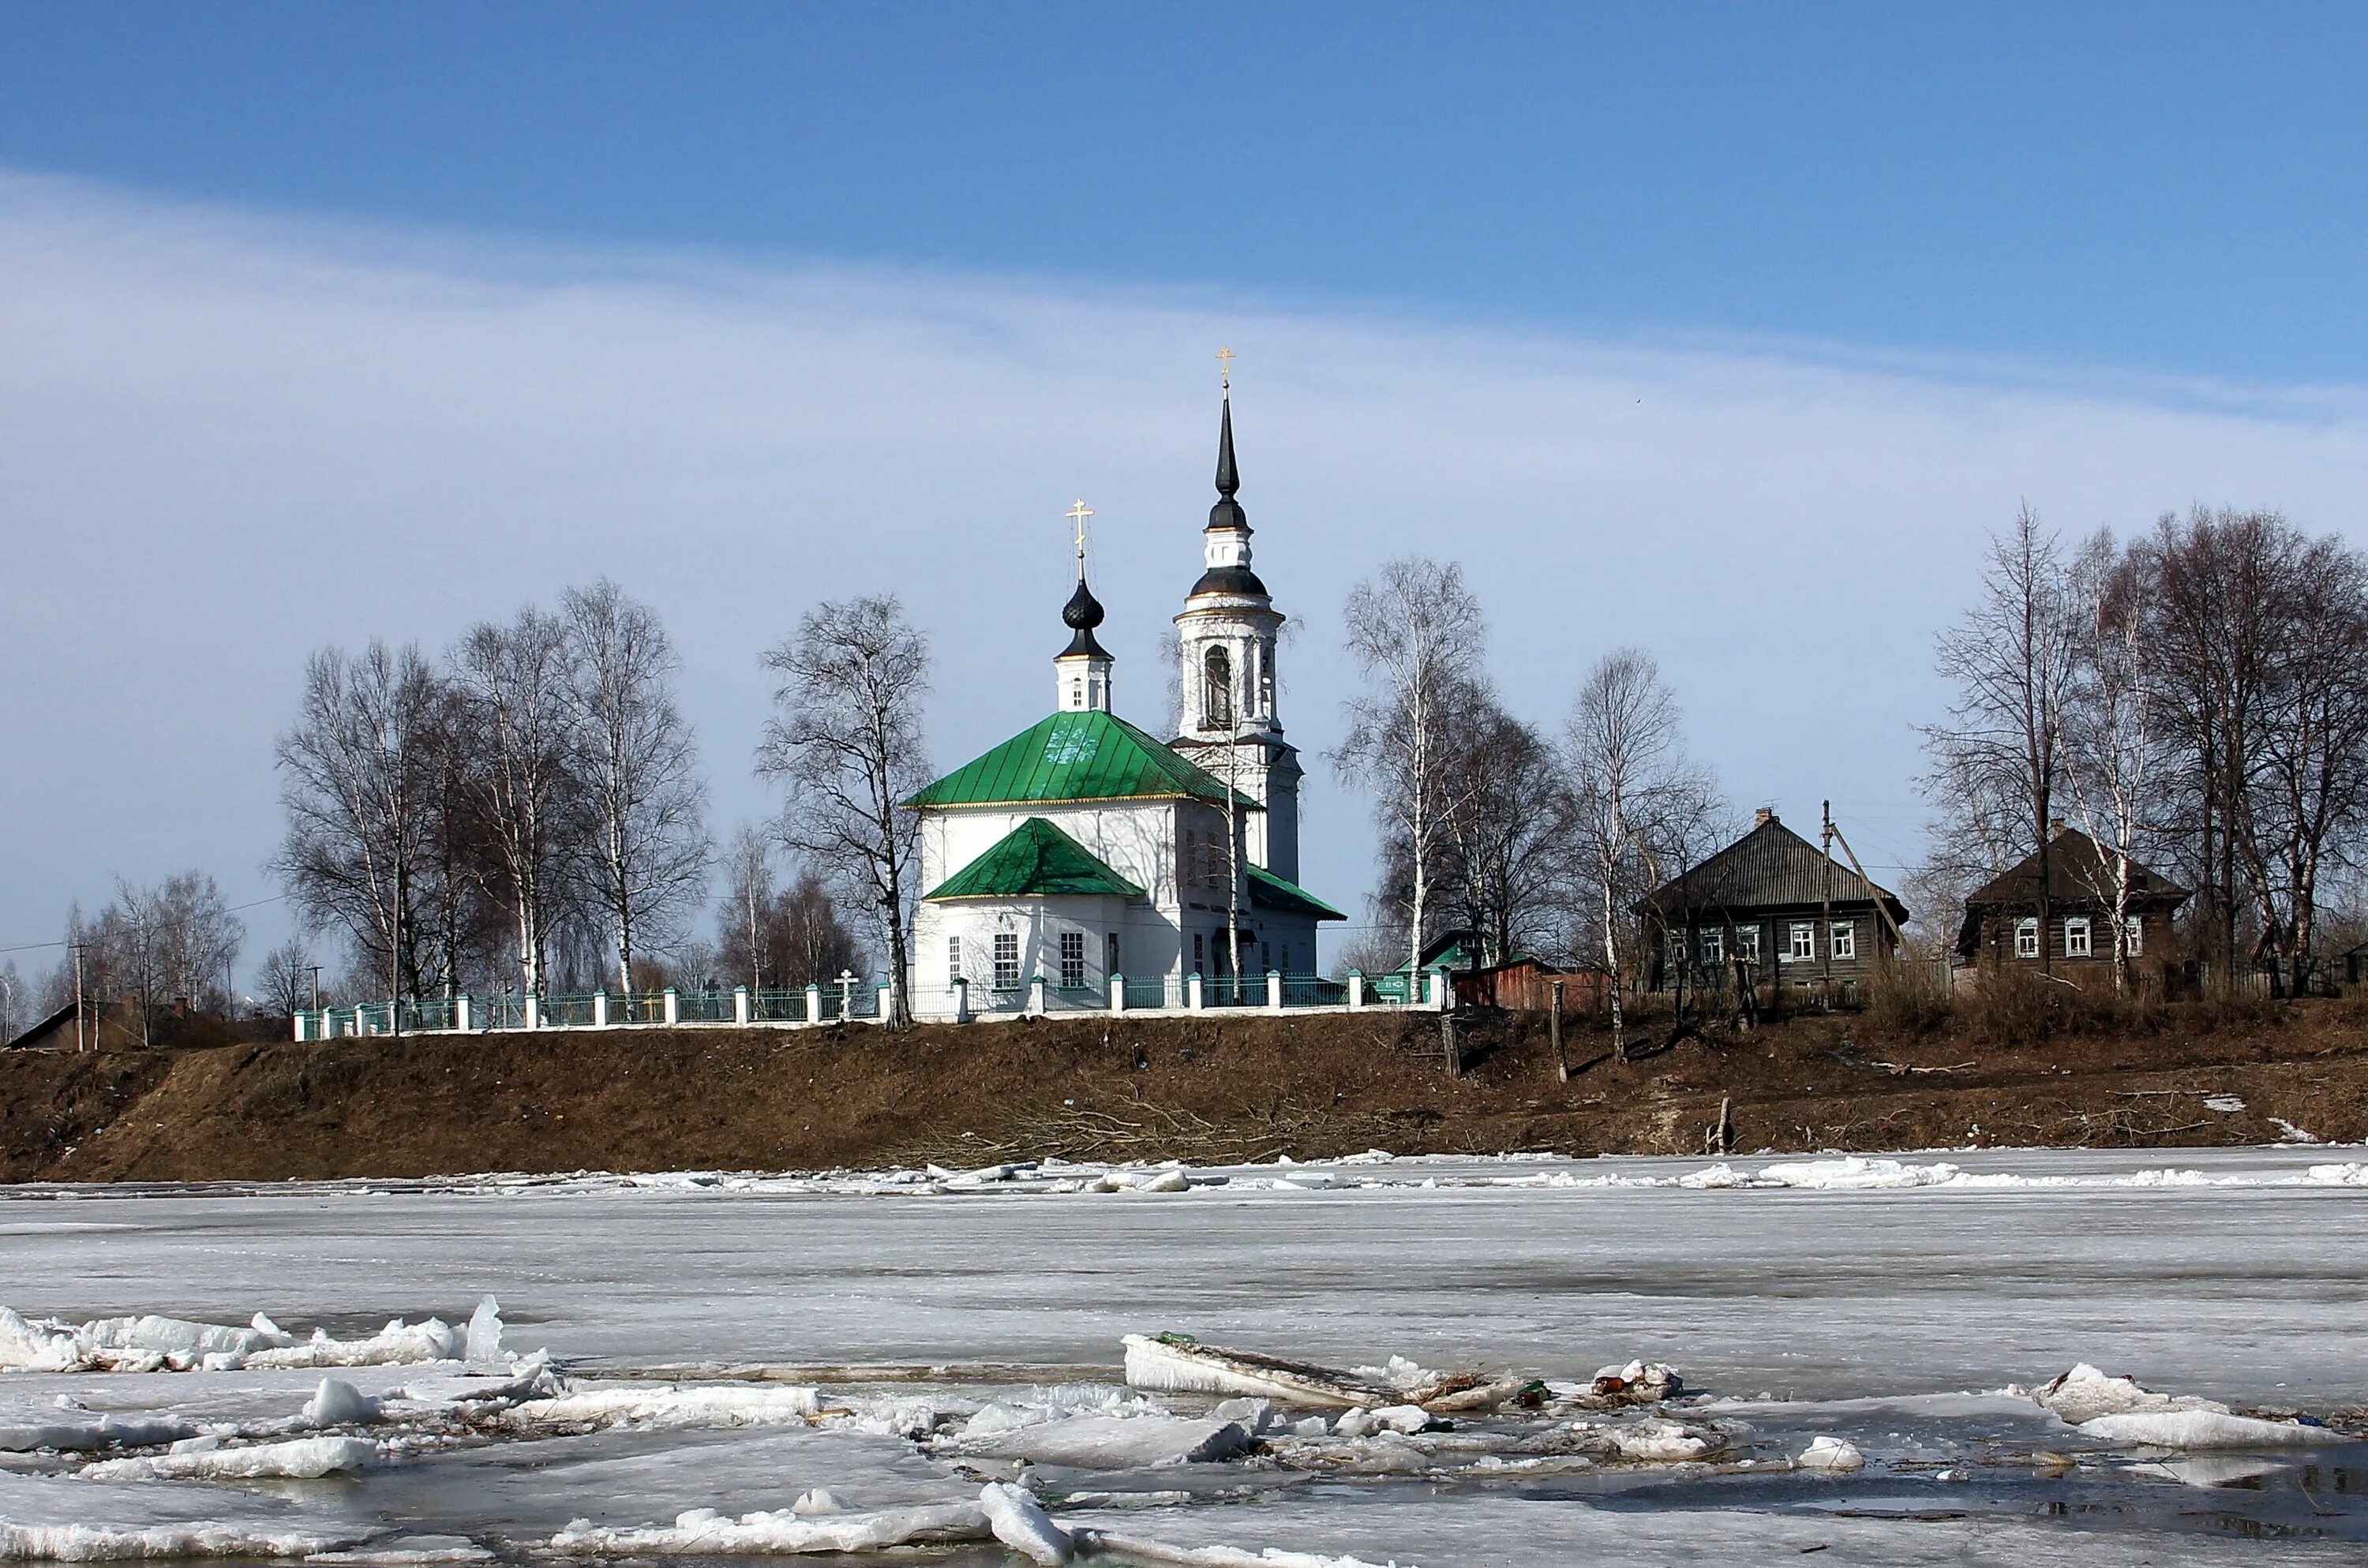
(1884, 1303)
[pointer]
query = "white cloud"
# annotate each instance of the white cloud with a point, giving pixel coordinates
(227, 438)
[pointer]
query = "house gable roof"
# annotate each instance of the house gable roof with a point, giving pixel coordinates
(1034, 860)
(2078, 866)
(1770, 866)
(1083, 755)
(1270, 892)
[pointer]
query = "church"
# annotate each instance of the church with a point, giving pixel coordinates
(1084, 849)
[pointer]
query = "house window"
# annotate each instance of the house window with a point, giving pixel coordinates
(1007, 961)
(1073, 960)
(1217, 689)
(1200, 953)
(953, 959)
(1804, 942)
(1845, 939)
(2134, 935)
(2026, 938)
(1746, 944)
(1714, 947)
(1109, 956)
(1673, 945)
(2076, 942)
(1266, 956)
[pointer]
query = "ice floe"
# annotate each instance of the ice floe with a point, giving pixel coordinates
(1173, 1363)
(704, 1532)
(1020, 1523)
(299, 1459)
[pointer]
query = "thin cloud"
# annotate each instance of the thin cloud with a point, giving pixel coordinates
(229, 437)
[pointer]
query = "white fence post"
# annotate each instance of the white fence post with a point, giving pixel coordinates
(460, 1012)
(1194, 995)
(1356, 989)
(673, 1006)
(1118, 993)
(1274, 990)
(740, 1005)
(814, 1001)
(533, 1010)
(962, 999)
(300, 1028)
(599, 1009)
(880, 1000)
(1036, 994)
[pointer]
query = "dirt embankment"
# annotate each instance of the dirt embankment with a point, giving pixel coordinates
(1222, 1088)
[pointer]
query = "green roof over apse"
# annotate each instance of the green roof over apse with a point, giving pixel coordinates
(1270, 892)
(1084, 754)
(1034, 858)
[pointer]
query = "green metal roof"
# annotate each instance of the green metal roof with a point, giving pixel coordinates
(1034, 858)
(1079, 756)
(1270, 892)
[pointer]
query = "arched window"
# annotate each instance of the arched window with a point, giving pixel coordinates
(1217, 689)
(1265, 681)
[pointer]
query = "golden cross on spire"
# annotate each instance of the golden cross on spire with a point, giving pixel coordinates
(1226, 369)
(1077, 514)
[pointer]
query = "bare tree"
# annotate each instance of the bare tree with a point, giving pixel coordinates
(515, 690)
(284, 977)
(1507, 862)
(1633, 796)
(747, 899)
(639, 765)
(359, 784)
(1998, 761)
(845, 741)
(2114, 739)
(1417, 636)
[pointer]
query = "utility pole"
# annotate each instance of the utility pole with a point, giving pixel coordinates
(81, 1002)
(316, 989)
(1826, 903)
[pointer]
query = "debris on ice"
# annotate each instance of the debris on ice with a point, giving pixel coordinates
(1829, 1453)
(2227, 1104)
(2084, 1393)
(302, 1458)
(1638, 1382)
(1174, 1363)
(1020, 1523)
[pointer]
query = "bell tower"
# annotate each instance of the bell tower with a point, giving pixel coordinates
(1226, 637)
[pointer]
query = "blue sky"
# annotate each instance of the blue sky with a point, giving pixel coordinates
(1722, 331)
(2165, 187)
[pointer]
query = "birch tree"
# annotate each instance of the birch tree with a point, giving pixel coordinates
(513, 687)
(2114, 737)
(638, 763)
(1417, 636)
(844, 744)
(1633, 793)
(1999, 760)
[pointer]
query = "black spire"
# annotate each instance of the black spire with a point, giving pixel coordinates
(1081, 614)
(1227, 512)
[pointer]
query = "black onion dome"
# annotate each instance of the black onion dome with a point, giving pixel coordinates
(1228, 580)
(1081, 614)
(1228, 513)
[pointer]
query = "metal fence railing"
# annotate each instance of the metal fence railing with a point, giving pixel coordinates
(1233, 991)
(1313, 991)
(1156, 991)
(778, 1007)
(701, 1007)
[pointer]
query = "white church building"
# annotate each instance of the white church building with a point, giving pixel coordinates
(1084, 849)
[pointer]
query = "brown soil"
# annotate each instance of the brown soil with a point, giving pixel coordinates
(1222, 1088)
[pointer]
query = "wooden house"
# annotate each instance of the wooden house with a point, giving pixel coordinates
(1773, 912)
(2002, 917)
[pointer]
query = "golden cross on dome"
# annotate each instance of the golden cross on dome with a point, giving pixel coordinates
(1077, 514)
(1226, 369)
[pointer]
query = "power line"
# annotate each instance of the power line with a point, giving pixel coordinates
(159, 926)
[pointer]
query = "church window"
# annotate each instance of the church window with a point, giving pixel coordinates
(953, 959)
(1200, 953)
(1007, 961)
(1073, 960)
(1265, 680)
(1217, 689)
